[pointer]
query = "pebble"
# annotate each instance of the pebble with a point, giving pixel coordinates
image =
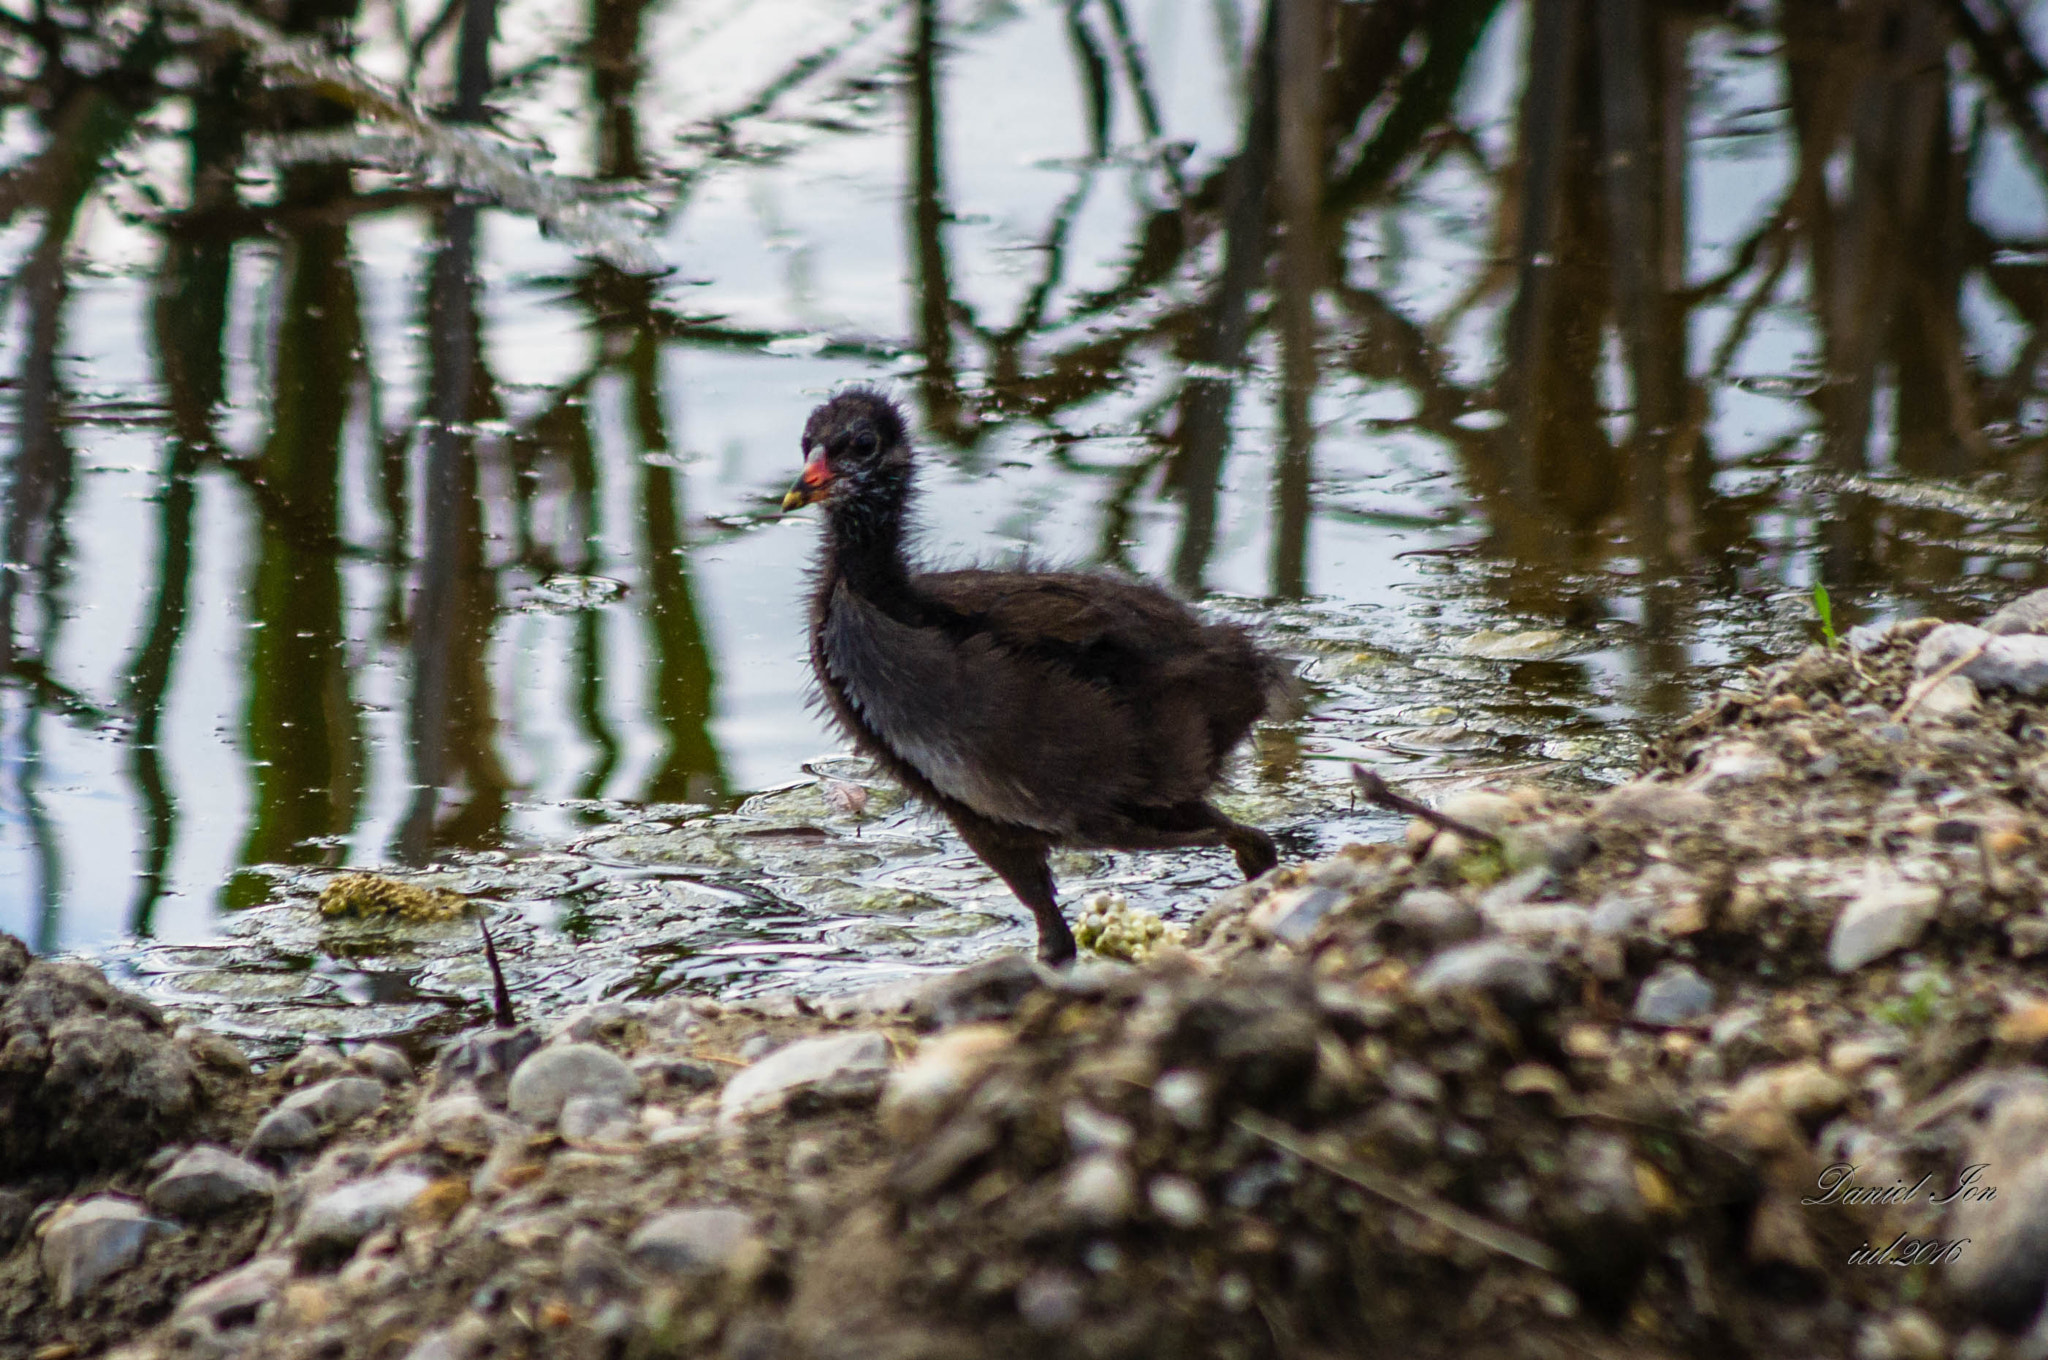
(484, 1060)
(1178, 1201)
(314, 1063)
(992, 990)
(1290, 915)
(383, 1062)
(90, 1241)
(557, 1073)
(1736, 765)
(834, 1067)
(1649, 806)
(209, 1180)
(670, 1072)
(1675, 994)
(305, 1119)
(1435, 917)
(1050, 1300)
(1887, 914)
(703, 1240)
(230, 1301)
(1508, 971)
(926, 1089)
(461, 1123)
(1954, 696)
(2001, 1276)
(1090, 1130)
(460, 1340)
(1098, 1191)
(1185, 1096)
(333, 1224)
(599, 1118)
(2027, 614)
(2014, 661)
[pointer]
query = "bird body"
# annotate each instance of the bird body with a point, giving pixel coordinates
(1033, 708)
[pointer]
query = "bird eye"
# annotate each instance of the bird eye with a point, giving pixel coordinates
(864, 444)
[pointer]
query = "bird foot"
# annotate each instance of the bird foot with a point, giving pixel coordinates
(1056, 951)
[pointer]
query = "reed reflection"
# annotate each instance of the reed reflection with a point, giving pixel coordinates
(1272, 265)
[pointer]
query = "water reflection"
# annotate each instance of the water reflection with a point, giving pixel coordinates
(1612, 320)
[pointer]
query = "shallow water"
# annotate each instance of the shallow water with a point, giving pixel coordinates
(314, 560)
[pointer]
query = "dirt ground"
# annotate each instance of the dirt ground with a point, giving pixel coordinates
(1691, 1068)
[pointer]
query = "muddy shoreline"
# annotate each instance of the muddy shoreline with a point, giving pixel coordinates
(1723, 1061)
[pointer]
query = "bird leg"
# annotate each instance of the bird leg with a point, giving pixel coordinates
(1020, 861)
(1253, 847)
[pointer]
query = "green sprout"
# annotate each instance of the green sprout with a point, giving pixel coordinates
(1825, 609)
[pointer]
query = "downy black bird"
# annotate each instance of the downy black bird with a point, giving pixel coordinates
(1033, 708)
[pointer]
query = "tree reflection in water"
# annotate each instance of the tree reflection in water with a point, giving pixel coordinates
(1640, 417)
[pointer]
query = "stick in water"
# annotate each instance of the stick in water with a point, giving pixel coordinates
(501, 998)
(1377, 790)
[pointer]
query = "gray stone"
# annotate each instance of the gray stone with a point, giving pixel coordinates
(461, 1123)
(603, 1118)
(1953, 697)
(1887, 914)
(314, 1064)
(1435, 917)
(1186, 1096)
(460, 1340)
(2001, 1276)
(832, 1068)
(209, 1180)
(306, 1118)
(2027, 614)
(555, 1074)
(1506, 970)
(1051, 1300)
(588, 1024)
(1736, 765)
(1646, 805)
(335, 1223)
(1090, 1130)
(383, 1062)
(672, 1072)
(484, 1060)
(1292, 913)
(2014, 661)
(703, 1240)
(991, 990)
(93, 1240)
(1098, 1191)
(1178, 1201)
(210, 1312)
(1674, 995)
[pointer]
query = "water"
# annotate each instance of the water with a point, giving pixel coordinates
(381, 516)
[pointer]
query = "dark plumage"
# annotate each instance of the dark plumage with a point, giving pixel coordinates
(1033, 708)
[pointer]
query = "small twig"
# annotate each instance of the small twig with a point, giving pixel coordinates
(1920, 689)
(1450, 1217)
(501, 997)
(1377, 790)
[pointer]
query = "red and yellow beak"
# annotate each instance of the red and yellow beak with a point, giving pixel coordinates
(812, 486)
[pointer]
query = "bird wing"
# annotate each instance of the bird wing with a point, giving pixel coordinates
(1193, 688)
(1012, 736)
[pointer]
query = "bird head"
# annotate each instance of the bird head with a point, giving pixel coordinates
(854, 440)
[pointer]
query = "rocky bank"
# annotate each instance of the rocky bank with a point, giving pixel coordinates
(1744, 1057)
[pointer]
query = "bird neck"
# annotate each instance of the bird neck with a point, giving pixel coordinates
(864, 540)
